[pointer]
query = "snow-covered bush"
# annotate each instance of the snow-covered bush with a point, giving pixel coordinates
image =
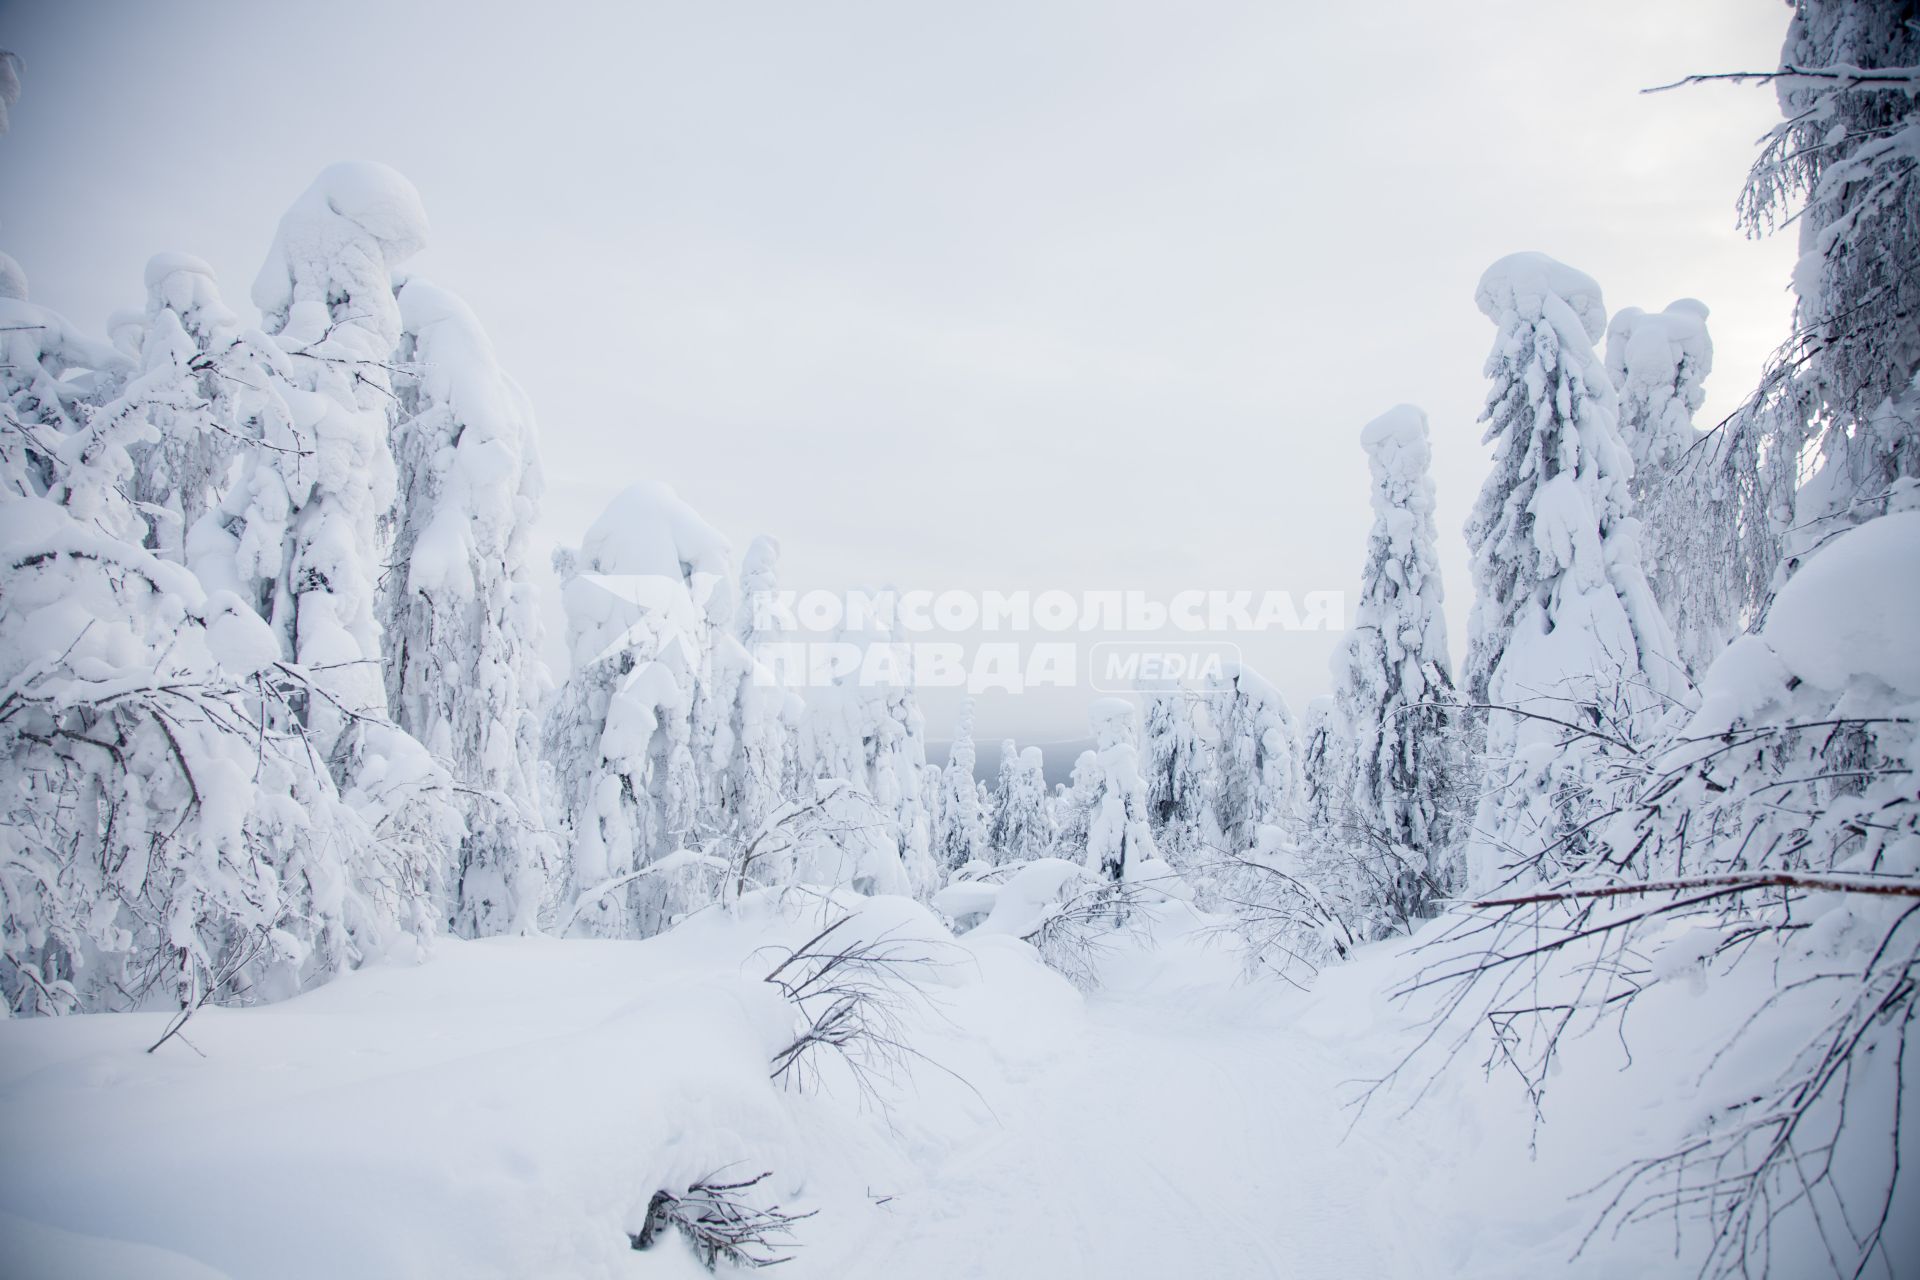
(170, 837)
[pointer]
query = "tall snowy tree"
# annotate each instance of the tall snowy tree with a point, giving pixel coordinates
(1680, 495)
(1256, 756)
(1119, 835)
(461, 626)
(1842, 165)
(1175, 764)
(646, 591)
(1393, 683)
(1021, 827)
(1326, 767)
(1567, 643)
(189, 391)
(960, 834)
(327, 294)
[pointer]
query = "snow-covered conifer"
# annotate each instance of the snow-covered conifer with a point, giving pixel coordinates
(960, 834)
(1119, 836)
(650, 584)
(1680, 495)
(1393, 681)
(327, 294)
(461, 626)
(1021, 827)
(1175, 764)
(1256, 756)
(1566, 641)
(1840, 392)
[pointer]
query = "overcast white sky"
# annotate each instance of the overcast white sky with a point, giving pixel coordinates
(1075, 295)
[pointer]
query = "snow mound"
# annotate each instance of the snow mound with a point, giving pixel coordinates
(1853, 608)
(1523, 282)
(356, 210)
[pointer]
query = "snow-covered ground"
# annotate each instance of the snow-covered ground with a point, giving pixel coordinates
(508, 1107)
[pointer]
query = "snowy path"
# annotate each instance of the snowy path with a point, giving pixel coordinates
(506, 1109)
(1157, 1144)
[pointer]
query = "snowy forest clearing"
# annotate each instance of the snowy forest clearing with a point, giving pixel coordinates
(1175, 1123)
(342, 935)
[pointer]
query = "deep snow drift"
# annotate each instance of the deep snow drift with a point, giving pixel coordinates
(508, 1107)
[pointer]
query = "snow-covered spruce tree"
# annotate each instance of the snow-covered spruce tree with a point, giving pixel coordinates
(1175, 764)
(648, 587)
(461, 626)
(1681, 495)
(1256, 756)
(1391, 838)
(760, 754)
(1567, 644)
(960, 835)
(1119, 837)
(1842, 166)
(1021, 827)
(1326, 768)
(866, 729)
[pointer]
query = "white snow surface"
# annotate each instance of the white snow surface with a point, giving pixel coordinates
(507, 1108)
(1855, 608)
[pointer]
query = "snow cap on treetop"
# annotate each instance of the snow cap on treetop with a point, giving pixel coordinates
(1522, 282)
(351, 207)
(13, 281)
(1648, 348)
(163, 265)
(1113, 721)
(1404, 424)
